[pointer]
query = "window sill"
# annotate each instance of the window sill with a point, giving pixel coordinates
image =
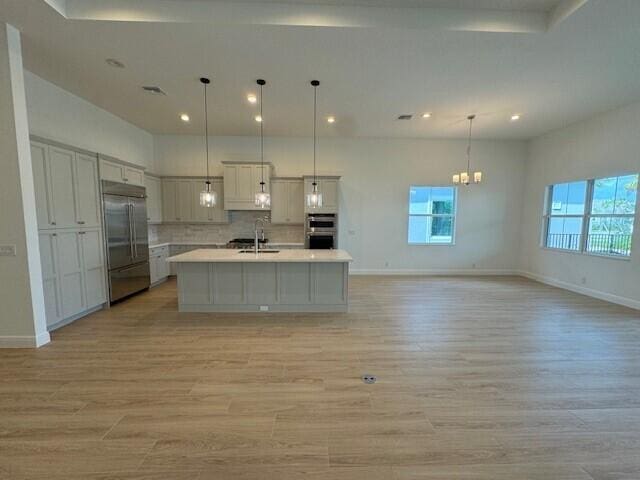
(431, 244)
(587, 254)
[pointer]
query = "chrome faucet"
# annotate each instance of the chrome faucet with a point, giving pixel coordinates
(256, 245)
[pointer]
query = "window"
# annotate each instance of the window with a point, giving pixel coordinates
(432, 212)
(594, 216)
(566, 215)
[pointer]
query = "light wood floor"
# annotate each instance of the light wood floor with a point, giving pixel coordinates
(479, 378)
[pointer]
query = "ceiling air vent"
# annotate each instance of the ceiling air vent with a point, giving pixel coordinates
(406, 116)
(154, 90)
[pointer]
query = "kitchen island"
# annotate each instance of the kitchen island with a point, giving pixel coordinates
(230, 280)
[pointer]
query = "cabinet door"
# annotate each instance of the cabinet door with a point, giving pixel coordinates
(62, 187)
(184, 201)
(200, 214)
(163, 268)
(86, 191)
(153, 269)
(49, 262)
(169, 202)
(134, 176)
(154, 199)
(111, 171)
(329, 189)
(93, 268)
(280, 201)
(218, 214)
(42, 183)
(296, 201)
(70, 267)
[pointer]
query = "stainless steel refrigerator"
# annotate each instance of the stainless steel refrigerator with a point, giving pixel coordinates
(125, 216)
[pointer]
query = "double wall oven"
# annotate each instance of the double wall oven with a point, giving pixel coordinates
(321, 231)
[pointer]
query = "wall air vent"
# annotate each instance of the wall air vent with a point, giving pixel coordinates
(153, 89)
(406, 116)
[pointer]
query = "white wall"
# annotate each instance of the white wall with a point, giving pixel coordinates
(22, 320)
(376, 175)
(604, 146)
(59, 115)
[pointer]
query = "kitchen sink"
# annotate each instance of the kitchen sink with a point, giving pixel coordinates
(259, 251)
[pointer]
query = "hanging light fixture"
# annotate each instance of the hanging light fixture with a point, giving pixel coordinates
(263, 198)
(208, 198)
(464, 178)
(314, 198)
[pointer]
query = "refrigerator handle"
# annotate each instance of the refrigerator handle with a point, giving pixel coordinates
(134, 238)
(129, 213)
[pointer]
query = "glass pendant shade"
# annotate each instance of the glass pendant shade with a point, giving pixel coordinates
(477, 177)
(314, 198)
(263, 199)
(464, 178)
(208, 198)
(456, 179)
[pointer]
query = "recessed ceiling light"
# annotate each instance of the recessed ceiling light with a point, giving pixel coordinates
(515, 117)
(184, 117)
(331, 119)
(426, 115)
(251, 98)
(112, 62)
(258, 118)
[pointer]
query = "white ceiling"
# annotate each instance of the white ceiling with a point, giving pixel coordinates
(587, 64)
(521, 5)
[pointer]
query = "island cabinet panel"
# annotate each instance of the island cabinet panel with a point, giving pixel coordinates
(329, 283)
(262, 289)
(228, 283)
(294, 283)
(194, 283)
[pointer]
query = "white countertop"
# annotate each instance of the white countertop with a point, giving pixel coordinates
(227, 255)
(222, 244)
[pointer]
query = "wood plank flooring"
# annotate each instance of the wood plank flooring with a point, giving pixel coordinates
(478, 378)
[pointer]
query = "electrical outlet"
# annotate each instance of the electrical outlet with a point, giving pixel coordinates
(584, 280)
(386, 264)
(7, 250)
(473, 266)
(264, 308)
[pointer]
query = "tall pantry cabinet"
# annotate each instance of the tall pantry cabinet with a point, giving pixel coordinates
(70, 232)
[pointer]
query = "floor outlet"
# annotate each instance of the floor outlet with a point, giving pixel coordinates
(264, 308)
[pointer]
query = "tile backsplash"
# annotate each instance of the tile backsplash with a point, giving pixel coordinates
(241, 225)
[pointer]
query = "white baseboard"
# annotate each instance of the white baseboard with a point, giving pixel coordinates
(433, 272)
(607, 297)
(27, 341)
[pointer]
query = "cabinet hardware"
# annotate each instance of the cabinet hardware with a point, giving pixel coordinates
(125, 179)
(82, 233)
(53, 223)
(80, 222)
(54, 234)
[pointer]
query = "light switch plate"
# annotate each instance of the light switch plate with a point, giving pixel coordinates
(7, 250)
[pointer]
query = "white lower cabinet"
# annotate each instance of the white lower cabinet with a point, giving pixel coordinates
(73, 273)
(158, 265)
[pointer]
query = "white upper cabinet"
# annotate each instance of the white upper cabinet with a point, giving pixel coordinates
(287, 201)
(242, 182)
(86, 188)
(62, 187)
(154, 199)
(328, 187)
(42, 181)
(181, 201)
(121, 173)
(66, 184)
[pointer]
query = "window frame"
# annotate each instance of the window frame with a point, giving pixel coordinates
(453, 216)
(586, 219)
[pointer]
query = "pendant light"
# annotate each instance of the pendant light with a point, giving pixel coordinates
(208, 198)
(464, 178)
(263, 198)
(314, 198)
